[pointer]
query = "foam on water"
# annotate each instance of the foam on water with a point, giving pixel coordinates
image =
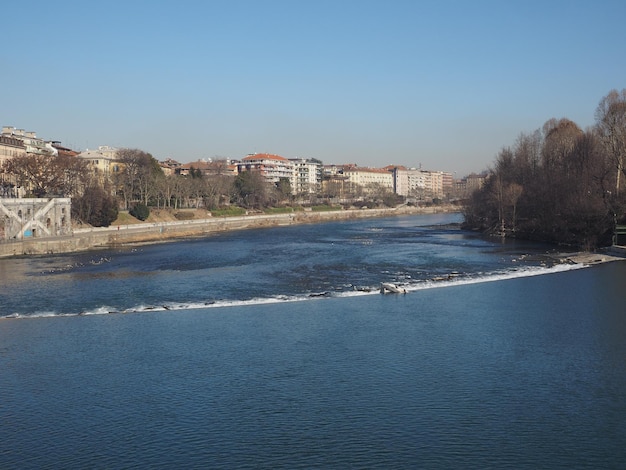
(410, 286)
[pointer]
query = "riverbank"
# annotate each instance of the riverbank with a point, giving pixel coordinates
(83, 239)
(614, 253)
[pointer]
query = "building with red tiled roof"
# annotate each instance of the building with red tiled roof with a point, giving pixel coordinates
(263, 156)
(208, 168)
(272, 167)
(304, 174)
(63, 151)
(169, 166)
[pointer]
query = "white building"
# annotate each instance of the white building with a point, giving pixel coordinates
(418, 183)
(370, 178)
(272, 167)
(307, 176)
(33, 144)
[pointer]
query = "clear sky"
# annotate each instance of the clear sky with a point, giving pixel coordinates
(445, 84)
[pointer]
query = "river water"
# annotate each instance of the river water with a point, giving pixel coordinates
(273, 348)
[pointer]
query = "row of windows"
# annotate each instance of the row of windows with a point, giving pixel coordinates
(28, 213)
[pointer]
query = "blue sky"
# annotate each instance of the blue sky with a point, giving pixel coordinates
(442, 84)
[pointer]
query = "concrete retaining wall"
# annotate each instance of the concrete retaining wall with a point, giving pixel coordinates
(105, 237)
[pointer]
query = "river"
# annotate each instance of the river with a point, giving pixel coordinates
(273, 348)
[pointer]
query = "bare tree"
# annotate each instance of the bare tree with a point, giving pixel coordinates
(167, 189)
(137, 181)
(48, 175)
(560, 194)
(250, 190)
(560, 140)
(611, 125)
(527, 156)
(217, 187)
(180, 192)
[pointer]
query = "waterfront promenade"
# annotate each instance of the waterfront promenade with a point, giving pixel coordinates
(116, 235)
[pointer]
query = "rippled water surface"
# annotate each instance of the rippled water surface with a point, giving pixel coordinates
(264, 349)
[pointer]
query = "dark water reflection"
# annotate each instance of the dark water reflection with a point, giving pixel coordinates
(521, 373)
(503, 366)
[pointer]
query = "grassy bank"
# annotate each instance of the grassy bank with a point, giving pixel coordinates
(163, 226)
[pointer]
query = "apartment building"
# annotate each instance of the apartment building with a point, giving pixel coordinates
(205, 167)
(10, 147)
(169, 166)
(307, 177)
(421, 184)
(32, 144)
(369, 178)
(16, 143)
(102, 162)
(272, 167)
(304, 174)
(464, 187)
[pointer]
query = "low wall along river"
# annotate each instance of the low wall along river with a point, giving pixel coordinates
(106, 237)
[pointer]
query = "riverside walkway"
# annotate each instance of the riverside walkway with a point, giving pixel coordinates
(106, 237)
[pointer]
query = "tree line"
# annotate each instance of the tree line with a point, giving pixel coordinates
(138, 182)
(559, 184)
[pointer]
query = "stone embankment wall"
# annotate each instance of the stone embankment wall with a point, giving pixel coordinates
(106, 237)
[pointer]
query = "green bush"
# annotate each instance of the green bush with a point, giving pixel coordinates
(231, 211)
(281, 210)
(140, 211)
(325, 208)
